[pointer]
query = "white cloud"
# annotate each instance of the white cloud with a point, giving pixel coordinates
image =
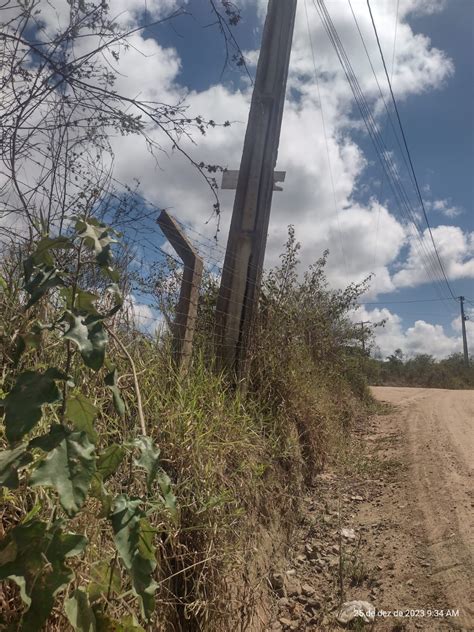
(421, 337)
(445, 207)
(456, 251)
(362, 239)
(145, 317)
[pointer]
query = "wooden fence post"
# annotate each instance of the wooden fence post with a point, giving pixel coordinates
(186, 311)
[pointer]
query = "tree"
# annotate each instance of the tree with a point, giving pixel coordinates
(60, 104)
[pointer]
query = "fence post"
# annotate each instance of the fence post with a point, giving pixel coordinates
(186, 311)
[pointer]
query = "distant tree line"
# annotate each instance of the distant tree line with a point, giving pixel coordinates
(421, 370)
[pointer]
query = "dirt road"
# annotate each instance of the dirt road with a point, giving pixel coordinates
(391, 523)
(436, 434)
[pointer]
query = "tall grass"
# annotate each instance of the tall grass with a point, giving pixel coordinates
(238, 458)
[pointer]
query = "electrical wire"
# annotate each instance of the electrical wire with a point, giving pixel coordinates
(409, 155)
(323, 121)
(382, 152)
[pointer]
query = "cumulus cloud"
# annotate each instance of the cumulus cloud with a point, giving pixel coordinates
(324, 163)
(445, 207)
(421, 337)
(456, 251)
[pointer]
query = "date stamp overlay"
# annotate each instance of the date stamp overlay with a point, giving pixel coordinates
(402, 613)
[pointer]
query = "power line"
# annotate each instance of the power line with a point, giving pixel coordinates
(323, 121)
(382, 152)
(419, 300)
(408, 153)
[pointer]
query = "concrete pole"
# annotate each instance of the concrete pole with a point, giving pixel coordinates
(464, 337)
(186, 310)
(241, 276)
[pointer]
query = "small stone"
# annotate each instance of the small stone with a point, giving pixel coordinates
(307, 590)
(410, 582)
(293, 587)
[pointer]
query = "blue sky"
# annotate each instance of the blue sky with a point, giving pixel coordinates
(358, 220)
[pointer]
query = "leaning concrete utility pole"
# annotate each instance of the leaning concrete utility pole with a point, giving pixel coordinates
(464, 337)
(241, 276)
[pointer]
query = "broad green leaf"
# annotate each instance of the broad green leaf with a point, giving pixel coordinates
(89, 334)
(104, 576)
(111, 381)
(129, 533)
(41, 279)
(3, 284)
(82, 412)
(31, 339)
(79, 612)
(109, 460)
(68, 469)
(106, 624)
(41, 273)
(10, 462)
(33, 555)
(149, 458)
(83, 300)
(97, 237)
(114, 289)
(23, 404)
(169, 499)
(98, 490)
(106, 465)
(51, 440)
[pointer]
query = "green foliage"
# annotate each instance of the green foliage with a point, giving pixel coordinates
(10, 462)
(66, 458)
(132, 538)
(33, 555)
(110, 381)
(422, 370)
(79, 612)
(68, 469)
(24, 402)
(81, 412)
(89, 334)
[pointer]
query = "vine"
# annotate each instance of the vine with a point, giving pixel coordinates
(53, 446)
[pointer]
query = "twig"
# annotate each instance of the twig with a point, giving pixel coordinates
(135, 380)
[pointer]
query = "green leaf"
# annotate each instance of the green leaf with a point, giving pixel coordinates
(169, 499)
(31, 339)
(139, 560)
(111, 381)
(97, 237)
(79, 612)
(98, 490)
(83, 300)
(109, 460)
(23, 404)
(10, 462)
(104, 576)
(89, 334)
(33, 555)
(82, 412)
(106, 624)
(149, 458)
(114, 289)
(40, 270)
(68, 469)
(51, 440)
